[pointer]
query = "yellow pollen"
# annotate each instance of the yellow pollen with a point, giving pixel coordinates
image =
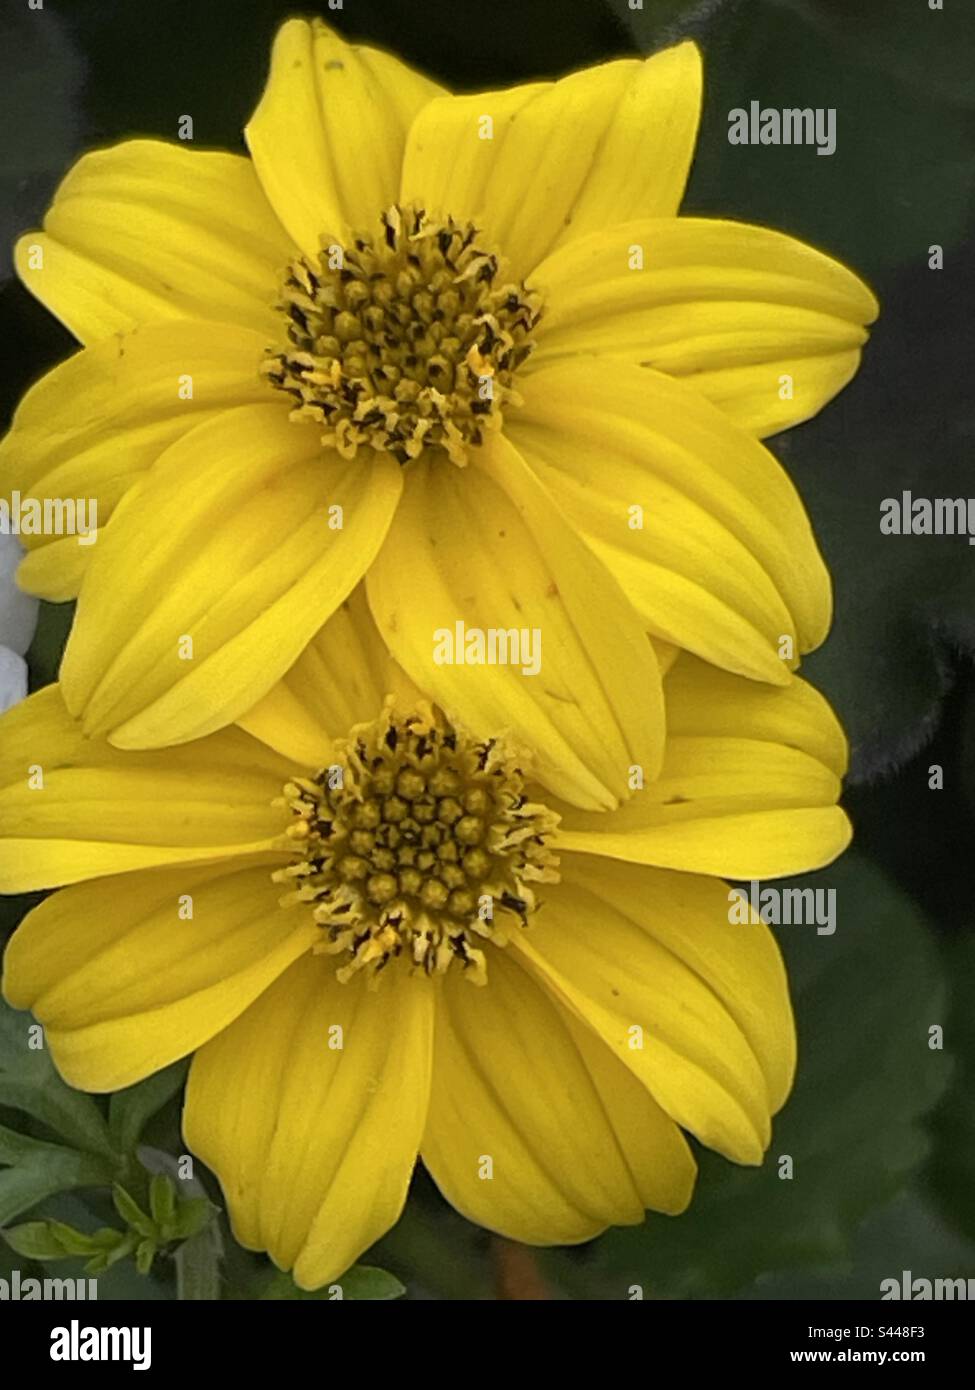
(412, 844)
(405, 341)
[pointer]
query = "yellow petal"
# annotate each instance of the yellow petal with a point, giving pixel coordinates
(538, 165)
(704, 703)
(695, 1007)
(733, 308)
(125, 982)
(232, 543)
(341, 678)
(149, 230)
(310, 1109)
(486, 547)
(698, 522)
(328, 134)
(73, 808)
(658, 1155)
(748, 789)
(96, 423)
(519, 1138)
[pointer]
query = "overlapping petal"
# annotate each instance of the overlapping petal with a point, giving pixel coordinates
(539, 165)
(127, 974)
(694, 1006)
(487, 548)
(533, 1130)
(189, 614)
(92, 427)
(760, 323)
(310, 1107)
(148, 230)
(700, 525)
(327, 137)
(341, 679)
(748, 788)
(74, 808)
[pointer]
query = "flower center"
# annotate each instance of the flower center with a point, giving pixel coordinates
(404, 341)
(412, 843)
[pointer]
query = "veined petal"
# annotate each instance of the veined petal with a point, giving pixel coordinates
(125, 982)
(96, 423)
(694, 1006)
(748, 789)
(513, 1086)
(485, 547)
(229, 543)
(731, 307)
(659, 1158)
(341, 679)
(310, 1109)
(538, 165)
(148, 230)
(698, 522)
(704, 703)
(328, 134)
(73, 808)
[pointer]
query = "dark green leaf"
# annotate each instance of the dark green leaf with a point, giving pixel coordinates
(39, 1169)
(950, 1173)
(44, 657)
(198, 1267)
(888, 141)
(129, 1110)
(909, 41)
(362, 1282)
(29, 1082)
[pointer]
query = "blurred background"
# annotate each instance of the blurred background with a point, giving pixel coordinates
(881, 1126)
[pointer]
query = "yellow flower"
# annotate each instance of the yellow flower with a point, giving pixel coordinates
(321, 919)
(460, 342)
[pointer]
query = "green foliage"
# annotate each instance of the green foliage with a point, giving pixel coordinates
(29, 1083)
(361, 1282)
(130, 1110)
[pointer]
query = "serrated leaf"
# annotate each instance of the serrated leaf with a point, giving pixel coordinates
(864, 1000)
(39, 1169)
(131, 1109)
(29, 1082)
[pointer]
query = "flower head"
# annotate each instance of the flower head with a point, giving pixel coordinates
(385, 936)
(459, 345)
